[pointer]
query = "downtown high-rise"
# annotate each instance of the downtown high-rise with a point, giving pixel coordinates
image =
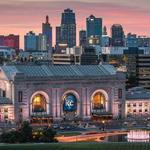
(82, 38)
(11, 41)
(68, 28)
(47, 30)
(117, 35)
(35, 42)
(30, 41)
(94, 27)
(58, 37)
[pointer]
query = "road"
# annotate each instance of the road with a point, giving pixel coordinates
(89, 137)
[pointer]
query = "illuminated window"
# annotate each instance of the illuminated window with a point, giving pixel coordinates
(6, 110)
(129, 111)
(98, 101)
(146, 104)
(39, 103)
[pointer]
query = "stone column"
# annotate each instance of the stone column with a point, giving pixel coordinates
(111, 101)
(58, 104)
(83, 103)
(114, 102)
(88, 104)
(54, 97)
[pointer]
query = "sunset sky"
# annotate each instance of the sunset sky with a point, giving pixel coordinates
(21, 16)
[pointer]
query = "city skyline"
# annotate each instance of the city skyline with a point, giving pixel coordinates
(16, 20)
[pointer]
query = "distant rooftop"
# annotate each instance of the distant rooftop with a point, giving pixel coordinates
(58, 70)
(68, 10)
(137, 93)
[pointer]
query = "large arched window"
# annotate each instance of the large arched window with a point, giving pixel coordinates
(98, 101)
(39, 103)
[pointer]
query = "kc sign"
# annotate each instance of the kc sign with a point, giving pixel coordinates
(70, 103)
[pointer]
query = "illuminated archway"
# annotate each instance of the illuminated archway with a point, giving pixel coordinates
(39, 103)
(39, 108)
(99, 101)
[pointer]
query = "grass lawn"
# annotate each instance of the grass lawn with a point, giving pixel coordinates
(78, 146)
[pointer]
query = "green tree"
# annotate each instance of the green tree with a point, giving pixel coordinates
(9, 137)
(25, 133)
(48, 135)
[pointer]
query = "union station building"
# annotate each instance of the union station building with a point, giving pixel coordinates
(41, 93)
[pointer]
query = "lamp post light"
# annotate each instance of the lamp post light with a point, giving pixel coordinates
(103, 125)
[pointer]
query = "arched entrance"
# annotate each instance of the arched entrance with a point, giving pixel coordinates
(99, 106)
(99, 102)
(38, 104)
(39, 109)
(70, 105)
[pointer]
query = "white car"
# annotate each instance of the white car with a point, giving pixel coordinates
(125, 123)
(62, 128)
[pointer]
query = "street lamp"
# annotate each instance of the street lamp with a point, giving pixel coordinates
(103, 125)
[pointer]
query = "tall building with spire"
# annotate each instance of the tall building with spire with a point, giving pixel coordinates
(104, 30)
(94, 28)
(105, 41)
(47, 30)
(68, 28)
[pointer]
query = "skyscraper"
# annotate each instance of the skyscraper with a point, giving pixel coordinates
(47, 30)
(143, 41)
(11, 41)
(104, 30)
(31, 41)
(42, 42)
(117, 35)
(58, 37)
(131, 40)
(94, 27)
(105, 41)
(82, 38)
(68, 28)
